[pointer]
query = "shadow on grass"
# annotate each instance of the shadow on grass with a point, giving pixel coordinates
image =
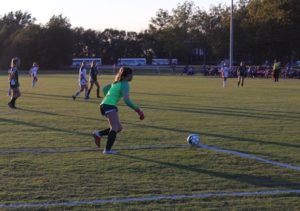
(61, 115)
(61, 97)
(272, 112)
(231, 138)
(225, 112)
(163, 94)
(18, 122)
(260, 181)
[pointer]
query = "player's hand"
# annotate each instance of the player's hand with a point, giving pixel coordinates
(140, 113)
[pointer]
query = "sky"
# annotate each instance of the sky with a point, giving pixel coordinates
(129, 15)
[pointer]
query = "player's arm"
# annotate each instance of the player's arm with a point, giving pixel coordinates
(11, 75)
(129, 103)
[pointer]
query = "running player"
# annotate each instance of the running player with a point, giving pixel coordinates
(13, 78)
(108, 107)
(33, 73)
(93, 80)
(241, 72)
(82, 81)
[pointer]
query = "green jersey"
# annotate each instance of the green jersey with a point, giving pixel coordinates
(116, 92)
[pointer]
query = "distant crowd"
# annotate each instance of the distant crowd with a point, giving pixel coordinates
(263, 71)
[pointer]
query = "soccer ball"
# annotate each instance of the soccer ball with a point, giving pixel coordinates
(193, 139)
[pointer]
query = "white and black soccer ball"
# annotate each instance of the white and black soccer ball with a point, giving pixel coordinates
(193, 139)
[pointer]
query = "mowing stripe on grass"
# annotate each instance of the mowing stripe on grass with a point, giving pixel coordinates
(151, 198)
(146, 147)
(42, 150)
(249, 156)
(7, 113)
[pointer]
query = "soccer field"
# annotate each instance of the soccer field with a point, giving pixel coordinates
(48, 159)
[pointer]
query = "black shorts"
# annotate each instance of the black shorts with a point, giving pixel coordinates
(106, 109)
(14, 86)
(93, 80)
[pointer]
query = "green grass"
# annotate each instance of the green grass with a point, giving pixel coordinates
(263, 119)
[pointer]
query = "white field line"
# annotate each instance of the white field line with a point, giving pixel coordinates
(151, 198)
(249, 156)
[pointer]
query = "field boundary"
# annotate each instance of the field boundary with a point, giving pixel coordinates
(152, 198)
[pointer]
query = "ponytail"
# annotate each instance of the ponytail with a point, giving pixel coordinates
(122, 73)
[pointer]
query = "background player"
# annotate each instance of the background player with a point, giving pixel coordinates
(82, 81)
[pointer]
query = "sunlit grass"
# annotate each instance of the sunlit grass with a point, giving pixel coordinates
(53, 158)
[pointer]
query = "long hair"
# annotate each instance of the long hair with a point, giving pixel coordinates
(122, 73)
(14, 62)
(82, 65)
(93, 64)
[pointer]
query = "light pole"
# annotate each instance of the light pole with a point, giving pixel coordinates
(231, 37)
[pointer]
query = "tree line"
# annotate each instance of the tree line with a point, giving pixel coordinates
(263, 30)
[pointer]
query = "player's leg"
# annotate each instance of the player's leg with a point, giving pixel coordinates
(15, 95)
(78, 92)
(239, 80)
(243, 78)
(98, 89)
(85, 88)
(224, 82)
(34, 80)
(105, 110)
(9, 91)
(115, 125)
(90, 89)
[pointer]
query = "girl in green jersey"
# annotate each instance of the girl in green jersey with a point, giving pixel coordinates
(108, 107)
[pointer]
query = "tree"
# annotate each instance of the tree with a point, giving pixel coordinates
(10, 25)
(57, 47)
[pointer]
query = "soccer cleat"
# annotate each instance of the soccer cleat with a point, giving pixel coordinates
(109, 152)
(97, 138)
(11, 105)
(74, 97)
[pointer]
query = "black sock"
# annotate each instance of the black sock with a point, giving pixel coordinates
(111, 139)
(104, 132)
(13, 101)
(98, 92)
(88, 93)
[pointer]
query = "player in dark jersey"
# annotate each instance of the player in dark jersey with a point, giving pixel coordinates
(93, 80)
(241, 73)
(276, 70)
(13, 78)
(108, 107)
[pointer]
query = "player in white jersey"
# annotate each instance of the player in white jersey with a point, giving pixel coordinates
(82, 81)
(33, 73)
(225, 74)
